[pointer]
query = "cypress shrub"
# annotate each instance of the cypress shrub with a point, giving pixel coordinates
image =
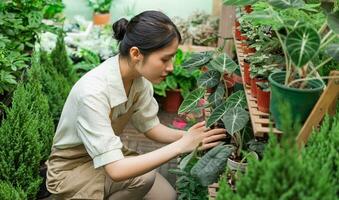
(20, 145)
(61, 61)
(41, 109)
(8, 192)
(284, 174)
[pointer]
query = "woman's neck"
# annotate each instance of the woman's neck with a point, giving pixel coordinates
(127, 70)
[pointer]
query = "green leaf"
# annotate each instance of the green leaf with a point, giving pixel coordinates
(191, 101)
(217, 97)
(198, 60)
(333, 51)
(283, 4)
(209, 79)
(223, 63)
(208, 169)
(237, 99)
(239, 2)
(184, 162)
(302, 45)
(171, 82)
(235, 119)
(333, 21)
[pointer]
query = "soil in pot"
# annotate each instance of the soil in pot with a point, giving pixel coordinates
(294, 102)
(172, 101)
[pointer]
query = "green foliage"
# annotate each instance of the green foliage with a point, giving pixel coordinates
(8, 192)
(45, 130)
(20, 146)
(208, 169)
(53, 9)
(180, 78)
(284, 174)
(188, 186)
(100, 6)
(61, 61)
(90, 61)
(21, 22)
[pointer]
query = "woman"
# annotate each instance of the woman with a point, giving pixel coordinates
(88, 160)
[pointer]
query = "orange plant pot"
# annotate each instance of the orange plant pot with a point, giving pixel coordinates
(101, 19)
(263, 99)
(254, 87)
(247, 77)
(248, 9)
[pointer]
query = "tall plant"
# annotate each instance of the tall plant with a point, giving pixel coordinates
(299, 40)
(100, 6)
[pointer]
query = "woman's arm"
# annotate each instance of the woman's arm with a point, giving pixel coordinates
(135, 166)
(164, 134)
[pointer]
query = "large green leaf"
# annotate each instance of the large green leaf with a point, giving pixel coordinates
(237, 99)
(191, 101)
(184, 162)
(302, 45)
(235, 119)
(223, 63)
(333, 21)
(171, 82)
(217, 97)
(283, 4)
(239, 2)
(265, 17)
(208, 169)
(209, 79)
(198, 60)
(333, 51)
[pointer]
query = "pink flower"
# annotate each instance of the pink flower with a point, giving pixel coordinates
(179, 123)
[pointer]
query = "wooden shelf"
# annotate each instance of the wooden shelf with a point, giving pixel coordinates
(261, 122)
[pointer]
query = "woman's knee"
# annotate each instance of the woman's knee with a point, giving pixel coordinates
(148, 179)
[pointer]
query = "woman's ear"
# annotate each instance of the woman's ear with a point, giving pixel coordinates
(135, 55)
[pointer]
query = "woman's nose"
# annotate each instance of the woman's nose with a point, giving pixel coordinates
(169, 67)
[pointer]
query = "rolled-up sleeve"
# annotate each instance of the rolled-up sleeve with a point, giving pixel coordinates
(95, 130)
(146, 110)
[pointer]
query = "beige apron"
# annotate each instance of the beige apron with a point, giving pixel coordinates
(71, 173)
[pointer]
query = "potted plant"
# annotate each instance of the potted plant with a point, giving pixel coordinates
(177, 84)
(263, 96)
(101, 15)
(301, 43)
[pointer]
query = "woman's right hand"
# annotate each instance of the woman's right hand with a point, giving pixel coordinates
(199, 135)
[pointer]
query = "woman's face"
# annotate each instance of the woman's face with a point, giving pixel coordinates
(158, 64)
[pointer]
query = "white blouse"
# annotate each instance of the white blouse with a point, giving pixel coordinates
(86, 120)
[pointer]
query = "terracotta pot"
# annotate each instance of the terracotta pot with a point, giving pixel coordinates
(254, 86)
(247, 73)
(248, 9)
(172, 101)
(229, 84)
(246, 49)
(238, 34)
(101, 19)
(263, 100)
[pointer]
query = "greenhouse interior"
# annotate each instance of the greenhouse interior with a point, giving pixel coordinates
(165, 100)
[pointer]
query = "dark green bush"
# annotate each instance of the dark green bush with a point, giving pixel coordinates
(41, 110)
(8, 192)
(61, 61)
(284, 174)
(20, 145)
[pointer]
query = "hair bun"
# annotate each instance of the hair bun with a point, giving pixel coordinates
(119, 28)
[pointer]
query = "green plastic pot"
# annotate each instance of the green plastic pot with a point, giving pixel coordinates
(296, 102)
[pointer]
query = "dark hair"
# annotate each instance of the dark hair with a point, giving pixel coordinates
(149, 31)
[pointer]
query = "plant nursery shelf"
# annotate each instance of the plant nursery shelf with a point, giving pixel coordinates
(261, 122)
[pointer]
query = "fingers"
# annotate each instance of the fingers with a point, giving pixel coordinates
(213, 138)
(209, 145)
(198, 125)
(215, 132)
